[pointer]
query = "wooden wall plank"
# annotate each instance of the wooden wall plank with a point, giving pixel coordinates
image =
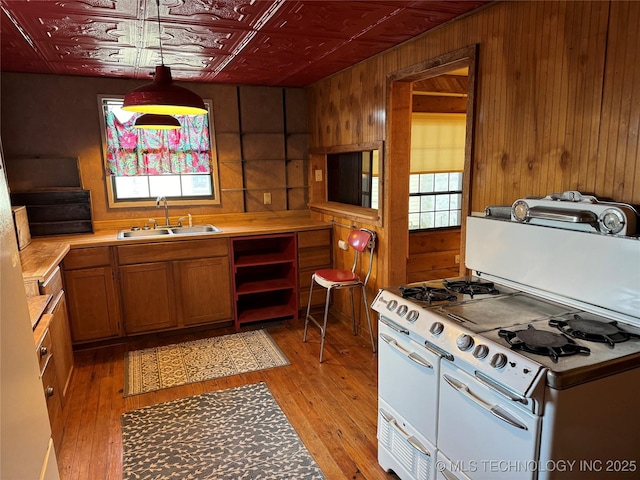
(557, 101)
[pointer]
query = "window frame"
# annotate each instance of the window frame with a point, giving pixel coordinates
(108, 180)
(435, 193)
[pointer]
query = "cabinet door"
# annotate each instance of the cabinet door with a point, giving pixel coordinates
(93, 305)
(61, 345)
(204, 287)
(147, 297)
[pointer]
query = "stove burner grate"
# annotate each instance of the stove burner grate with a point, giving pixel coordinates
(592, 330)
(541, 342)
(470, 287)
(427, 294)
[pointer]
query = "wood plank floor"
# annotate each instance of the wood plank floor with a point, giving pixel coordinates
(332, 406)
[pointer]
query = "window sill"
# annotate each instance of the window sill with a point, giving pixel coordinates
(369, 216)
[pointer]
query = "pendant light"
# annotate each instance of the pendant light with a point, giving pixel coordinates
(162, 96)
(151, 121)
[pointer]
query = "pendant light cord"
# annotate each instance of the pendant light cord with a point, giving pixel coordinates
(160, 34)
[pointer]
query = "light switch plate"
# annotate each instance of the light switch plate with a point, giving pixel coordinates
(267, 198)
(318, 174)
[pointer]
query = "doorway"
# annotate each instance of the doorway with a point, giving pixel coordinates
(400, 106)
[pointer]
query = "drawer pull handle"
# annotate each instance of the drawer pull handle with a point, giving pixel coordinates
(49, 392)
(43, 351)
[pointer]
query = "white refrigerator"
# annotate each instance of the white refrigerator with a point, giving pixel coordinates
(26, 450)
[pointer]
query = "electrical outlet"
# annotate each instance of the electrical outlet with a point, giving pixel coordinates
(318, 175)
(457, 259)
(267, 198)
(343, 245)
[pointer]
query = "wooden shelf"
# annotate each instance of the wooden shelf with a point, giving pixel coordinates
(246, 288)
(265, 275)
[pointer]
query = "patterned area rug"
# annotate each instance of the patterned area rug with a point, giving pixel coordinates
(172, 365)
(239, 433)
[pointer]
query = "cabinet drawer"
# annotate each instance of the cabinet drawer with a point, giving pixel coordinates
(44, 351)
(319, 257)
(314, 238)
(54, 404)
(87, 258)
(159, 252)
(53, 284)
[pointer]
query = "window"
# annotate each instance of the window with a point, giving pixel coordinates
(437, 163)
(435, 200)
(143, 164)
(351, 178)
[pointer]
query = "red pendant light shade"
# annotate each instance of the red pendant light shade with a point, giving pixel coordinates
(163, 97)
(152, 121)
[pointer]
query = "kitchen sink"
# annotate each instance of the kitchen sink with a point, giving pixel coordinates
(165, 232)
(195, 229)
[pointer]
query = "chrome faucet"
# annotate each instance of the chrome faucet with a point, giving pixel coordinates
(162, 198)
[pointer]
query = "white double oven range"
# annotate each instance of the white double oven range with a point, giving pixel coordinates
(530, 368)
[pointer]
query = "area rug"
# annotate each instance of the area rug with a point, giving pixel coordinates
(172, 365)
(239, 433)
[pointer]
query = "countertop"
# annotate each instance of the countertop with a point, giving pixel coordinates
(41, 258)
(229, 229)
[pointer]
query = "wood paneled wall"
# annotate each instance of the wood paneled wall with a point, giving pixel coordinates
(557, 102)
(260, 134)
(558, 98)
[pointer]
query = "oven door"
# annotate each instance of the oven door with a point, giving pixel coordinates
(483, 433)
(408, 378)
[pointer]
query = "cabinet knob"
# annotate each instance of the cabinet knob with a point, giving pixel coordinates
(43, 351)
(49, 392)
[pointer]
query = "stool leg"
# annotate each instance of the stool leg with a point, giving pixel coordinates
(366, 310)
(306, 317)
(323, 330)
(353, 313)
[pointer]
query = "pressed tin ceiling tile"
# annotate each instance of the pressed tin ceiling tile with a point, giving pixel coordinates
(248, 42)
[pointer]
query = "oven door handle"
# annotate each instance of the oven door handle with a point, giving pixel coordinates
(393, 326)
(414, 357)
(409, 438)
(495, 410)
(482, 378)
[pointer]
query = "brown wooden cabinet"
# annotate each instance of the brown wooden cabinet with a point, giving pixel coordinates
(58, 318)
(61, 342)
(314, 253)
(147, 297)
(204, 290)
(171, 285)
(265, 277)
(52, 389)
(91, 290)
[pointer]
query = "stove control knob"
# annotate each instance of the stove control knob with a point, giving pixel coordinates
(464, 342)
(481, 351)
(499, 360)
(402, 310)
(437, 328)
(413, 316)
(391, 306)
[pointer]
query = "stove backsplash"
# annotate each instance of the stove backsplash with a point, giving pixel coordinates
(600, 273)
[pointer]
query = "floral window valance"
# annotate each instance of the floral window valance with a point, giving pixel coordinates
(132, 151)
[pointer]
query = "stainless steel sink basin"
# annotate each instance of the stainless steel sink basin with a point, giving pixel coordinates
(143, 233)
(165, 232)
(195, 229)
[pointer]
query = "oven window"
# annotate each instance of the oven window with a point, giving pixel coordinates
(435, 200)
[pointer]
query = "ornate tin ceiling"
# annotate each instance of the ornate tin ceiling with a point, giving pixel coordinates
(247, 42)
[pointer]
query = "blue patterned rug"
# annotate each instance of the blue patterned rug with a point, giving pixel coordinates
(239, 433)
(199, 360)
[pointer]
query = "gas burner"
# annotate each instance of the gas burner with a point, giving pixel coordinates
(427, 294)
(470, 287)
(592, 330)
(541, 342)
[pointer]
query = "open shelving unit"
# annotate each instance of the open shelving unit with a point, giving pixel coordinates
(265, 277)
